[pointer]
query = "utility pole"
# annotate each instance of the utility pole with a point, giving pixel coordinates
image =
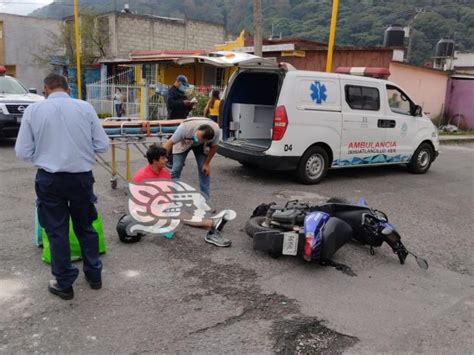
(78, 51)
(257, 24)
(332, 35)
(418, 11)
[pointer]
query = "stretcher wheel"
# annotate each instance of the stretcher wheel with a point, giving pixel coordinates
(113, 183)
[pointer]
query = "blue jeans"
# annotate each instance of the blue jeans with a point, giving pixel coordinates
(60, 196)
(179, 162)
(118, 110)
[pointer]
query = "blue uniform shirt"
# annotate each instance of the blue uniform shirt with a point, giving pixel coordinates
(61, 134)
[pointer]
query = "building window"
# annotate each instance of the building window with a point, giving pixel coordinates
(362, 98)
(149, 73)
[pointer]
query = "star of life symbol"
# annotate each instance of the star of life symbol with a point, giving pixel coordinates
(318, 92)
(159, 206)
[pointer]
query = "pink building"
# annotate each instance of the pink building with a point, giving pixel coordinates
(426, 86)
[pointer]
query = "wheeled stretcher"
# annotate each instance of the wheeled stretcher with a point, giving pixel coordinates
(125, 133)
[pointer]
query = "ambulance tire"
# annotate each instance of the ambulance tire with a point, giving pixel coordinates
(313, 166)
(421, 159)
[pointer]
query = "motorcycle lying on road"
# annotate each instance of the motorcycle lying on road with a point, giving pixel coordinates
(316, 232)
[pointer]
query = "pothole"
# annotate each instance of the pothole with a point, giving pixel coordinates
(309, 336)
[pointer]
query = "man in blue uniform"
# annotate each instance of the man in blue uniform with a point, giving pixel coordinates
(61, 136)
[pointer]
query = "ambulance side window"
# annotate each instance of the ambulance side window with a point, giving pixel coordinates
(362, 98)
(398, 101)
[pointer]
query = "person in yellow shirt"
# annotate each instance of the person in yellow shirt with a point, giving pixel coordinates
(212, 108)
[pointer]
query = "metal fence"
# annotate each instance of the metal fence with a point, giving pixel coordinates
(101, 96)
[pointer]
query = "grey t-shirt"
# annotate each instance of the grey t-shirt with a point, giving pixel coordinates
(183, 136)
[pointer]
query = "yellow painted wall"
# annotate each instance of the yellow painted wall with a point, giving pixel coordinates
(166, 73)
(238, 43)
(171, 71)
(138, 74)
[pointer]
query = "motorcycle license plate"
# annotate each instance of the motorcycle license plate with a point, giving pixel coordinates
(290, 243)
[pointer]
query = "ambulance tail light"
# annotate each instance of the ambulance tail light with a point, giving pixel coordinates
(280, 123)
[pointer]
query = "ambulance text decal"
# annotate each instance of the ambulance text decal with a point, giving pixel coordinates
(362, 147)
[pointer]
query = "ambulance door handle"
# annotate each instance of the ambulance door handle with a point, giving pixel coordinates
(386, 123)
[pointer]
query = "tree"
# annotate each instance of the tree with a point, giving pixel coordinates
(94, 34)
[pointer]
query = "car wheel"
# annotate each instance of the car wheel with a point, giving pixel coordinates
(421, 159)
(255, 225)
(313, 166)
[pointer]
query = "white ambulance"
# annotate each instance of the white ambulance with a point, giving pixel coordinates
(279, 118)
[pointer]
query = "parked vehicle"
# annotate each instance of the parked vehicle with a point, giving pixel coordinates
(279, 118)
(14, 99)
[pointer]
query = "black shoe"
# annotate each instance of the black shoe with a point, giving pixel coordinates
(66, 294)
(94, 285)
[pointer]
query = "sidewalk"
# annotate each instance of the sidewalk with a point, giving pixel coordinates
(452, 139)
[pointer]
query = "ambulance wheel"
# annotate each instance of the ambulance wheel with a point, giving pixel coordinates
(121, 228)
(313, 166)
(421, 159)
(255, 225)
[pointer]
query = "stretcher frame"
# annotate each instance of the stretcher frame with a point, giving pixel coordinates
(125, 134)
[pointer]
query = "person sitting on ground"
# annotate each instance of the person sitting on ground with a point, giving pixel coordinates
(212, 107)
(156, 167)
(156, 170)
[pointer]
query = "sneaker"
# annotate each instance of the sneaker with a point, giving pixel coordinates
(65, 294)
(216, 238)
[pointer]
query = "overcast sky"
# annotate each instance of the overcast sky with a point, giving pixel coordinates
(21, 7)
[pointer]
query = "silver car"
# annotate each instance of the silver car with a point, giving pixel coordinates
(14, 99)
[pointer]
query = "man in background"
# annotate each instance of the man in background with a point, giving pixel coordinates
(177, 102)
(61, 136)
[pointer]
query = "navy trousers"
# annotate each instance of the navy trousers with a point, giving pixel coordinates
(62, 196)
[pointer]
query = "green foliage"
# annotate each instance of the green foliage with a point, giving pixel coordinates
(201, 103)
(104, 115)
(360, 23)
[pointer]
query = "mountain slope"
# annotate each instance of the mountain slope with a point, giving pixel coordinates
(359, 22)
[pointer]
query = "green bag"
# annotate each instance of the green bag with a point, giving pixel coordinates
(73, 242)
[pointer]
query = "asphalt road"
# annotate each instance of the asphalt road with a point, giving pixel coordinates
(183, 295)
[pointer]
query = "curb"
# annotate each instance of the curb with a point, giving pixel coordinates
(456, 140)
